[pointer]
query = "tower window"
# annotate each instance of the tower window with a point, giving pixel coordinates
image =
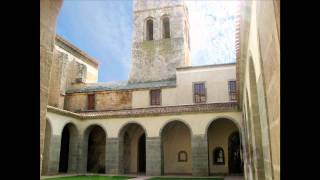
(232, 90)
(149, 29)
(166, 27)
(91, 102)
(199, 91)
(155, 97)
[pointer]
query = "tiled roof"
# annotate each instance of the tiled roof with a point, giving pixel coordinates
(152, 111)
(121, 85)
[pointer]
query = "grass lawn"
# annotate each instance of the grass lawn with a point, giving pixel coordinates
(90, 178)
(174, 178)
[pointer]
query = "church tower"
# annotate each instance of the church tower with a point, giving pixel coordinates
(160, 39)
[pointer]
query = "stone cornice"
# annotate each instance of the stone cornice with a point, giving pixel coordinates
(61, 42)
(152, 111)
(205, 66)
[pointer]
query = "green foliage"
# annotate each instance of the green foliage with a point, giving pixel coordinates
(191, 178)
(91, 178)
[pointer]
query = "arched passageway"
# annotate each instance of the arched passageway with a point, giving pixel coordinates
(47, 142)
(133, 149)
(224, 148)
(176, 149)
(96, 154)
(68, 149)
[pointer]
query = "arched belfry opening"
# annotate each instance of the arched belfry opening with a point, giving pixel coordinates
(132, 149)
(96, 151)
(68, 149)
(165, 27)
(149, 29)
(176, 151)
(224, 147)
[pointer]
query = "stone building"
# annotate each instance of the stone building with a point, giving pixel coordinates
(169, 118)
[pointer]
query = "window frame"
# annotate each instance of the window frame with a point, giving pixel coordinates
(205, 92)
(179, 156)
(147, 38)
(150, 97)
(232, 93)
(163, 17)
(214, 156)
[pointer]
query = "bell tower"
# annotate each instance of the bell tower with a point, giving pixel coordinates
(160, 40)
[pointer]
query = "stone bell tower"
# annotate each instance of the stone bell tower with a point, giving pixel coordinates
(160, 40)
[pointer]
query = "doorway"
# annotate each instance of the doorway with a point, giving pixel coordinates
(142, 154)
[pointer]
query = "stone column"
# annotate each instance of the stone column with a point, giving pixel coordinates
(153, 156)
(54, 154)
(113, 156)
(49, 11)
(199, 155)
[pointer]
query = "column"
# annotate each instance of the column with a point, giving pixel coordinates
(199, 155)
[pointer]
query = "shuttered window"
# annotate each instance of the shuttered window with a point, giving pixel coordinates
(91, 101)
(199, 91)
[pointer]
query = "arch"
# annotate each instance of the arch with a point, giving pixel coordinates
(237, 123)
(217, 133)
(175, 120)
(149, 28)
(132, 148)
(94, 148)
(176, 138)
(165, 26)
(123, 126)
(68, 148)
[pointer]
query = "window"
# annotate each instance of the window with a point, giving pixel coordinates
(149, 29)
(218, 156)
(199, 92)
(232, 90)
(182, 156)
(155, 96)
(166, 27)
(91, 101)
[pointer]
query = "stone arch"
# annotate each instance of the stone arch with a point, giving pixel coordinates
(165, 26)
(149, 25)
(237, 123)
(132, 148)
(218, 131)
(131, 122)
(69, 148)
(47, 145)
(94, 149)
(176, 136)
(176, 120)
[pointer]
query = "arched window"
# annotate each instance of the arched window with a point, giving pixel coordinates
(165, 27)
(149, 29)
(182, 156)
(218, 156)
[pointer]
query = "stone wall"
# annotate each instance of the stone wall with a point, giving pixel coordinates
(49, 11)
(259, 77)
(106, 100)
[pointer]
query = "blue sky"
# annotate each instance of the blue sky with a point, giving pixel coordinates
(103, 29)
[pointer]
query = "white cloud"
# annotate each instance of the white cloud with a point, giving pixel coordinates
(212, 31)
